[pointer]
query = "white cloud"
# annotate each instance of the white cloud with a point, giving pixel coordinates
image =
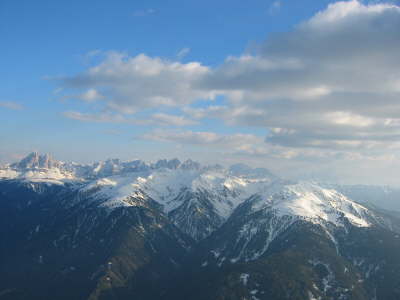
(332, 82)
(96, 117)
(183, 137)
(344, 10)
(203, 138)
(349, 119)
(275, 7)
(213, 111)
(182, 53)
(90, 95)
(159, 119)
(174, 120)
(11, 105)
(135, 83)
(91, 55)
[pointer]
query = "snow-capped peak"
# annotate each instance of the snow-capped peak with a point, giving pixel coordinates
(225, 191)
(37, 161)
(312, 202)
(165, 181)
(39, 168)
(42, 166)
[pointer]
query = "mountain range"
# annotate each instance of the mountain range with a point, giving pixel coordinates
(182, 230)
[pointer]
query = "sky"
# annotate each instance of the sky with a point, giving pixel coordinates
(309, 89)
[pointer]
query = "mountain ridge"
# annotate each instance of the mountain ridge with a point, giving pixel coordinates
(147, 229)
(43, 166)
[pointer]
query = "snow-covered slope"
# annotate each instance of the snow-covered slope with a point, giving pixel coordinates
(302, 199)
(264, 217)
(165, 185)
(198, 199)
(47, 175)
(311, 202)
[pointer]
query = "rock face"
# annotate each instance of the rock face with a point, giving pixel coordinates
(172, 230)
(37, 161)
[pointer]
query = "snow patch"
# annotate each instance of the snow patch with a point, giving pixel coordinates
(244, 278)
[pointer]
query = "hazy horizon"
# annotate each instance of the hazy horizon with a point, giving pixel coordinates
(301, 176)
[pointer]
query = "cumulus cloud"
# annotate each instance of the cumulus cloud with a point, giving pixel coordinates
(333, 81)
(131, 84)
(90, 95)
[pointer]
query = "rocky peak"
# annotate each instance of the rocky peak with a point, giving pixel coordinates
(190, 165)
(168, 164)
(37, 161)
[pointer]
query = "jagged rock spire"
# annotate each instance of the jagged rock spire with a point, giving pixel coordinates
(37, 161)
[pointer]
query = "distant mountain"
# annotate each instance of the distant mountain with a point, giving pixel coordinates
(37, 161)
(180, 230)
(42, 167)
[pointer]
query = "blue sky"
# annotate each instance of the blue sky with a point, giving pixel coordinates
(215, 85)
